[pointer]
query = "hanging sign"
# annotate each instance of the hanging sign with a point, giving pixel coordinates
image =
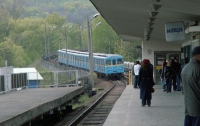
(174, 31)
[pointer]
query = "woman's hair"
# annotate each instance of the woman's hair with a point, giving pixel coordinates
(164, 63)
(145, 64)
(137, 62)
(169, 63)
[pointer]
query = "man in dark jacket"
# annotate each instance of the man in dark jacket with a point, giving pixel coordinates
(178, 68)
(173, 65)
(190, 76)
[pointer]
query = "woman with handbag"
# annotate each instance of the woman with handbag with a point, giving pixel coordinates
(146, 83)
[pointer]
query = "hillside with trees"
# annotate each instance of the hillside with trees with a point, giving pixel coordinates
(31, 28)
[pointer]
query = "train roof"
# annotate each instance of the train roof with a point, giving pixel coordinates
(87, 53)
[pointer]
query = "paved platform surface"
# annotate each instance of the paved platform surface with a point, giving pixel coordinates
(167, 109)
(20, 106)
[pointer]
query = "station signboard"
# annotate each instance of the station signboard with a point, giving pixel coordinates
(174, 31)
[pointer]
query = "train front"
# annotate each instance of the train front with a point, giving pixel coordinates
(115, 66)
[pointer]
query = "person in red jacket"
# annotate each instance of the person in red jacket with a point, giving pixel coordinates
(145, 82)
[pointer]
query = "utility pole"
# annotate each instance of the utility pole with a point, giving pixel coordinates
(66, 45)
(48, 51)
(82, 43)
(45, 44)
(59, 38)
(91, 62)
(109, 47)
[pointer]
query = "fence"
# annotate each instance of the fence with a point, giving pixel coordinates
(41, 80)
(55, 77)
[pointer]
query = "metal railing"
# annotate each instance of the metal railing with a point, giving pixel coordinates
(55, 76)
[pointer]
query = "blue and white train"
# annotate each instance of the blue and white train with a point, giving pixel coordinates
(104, 64)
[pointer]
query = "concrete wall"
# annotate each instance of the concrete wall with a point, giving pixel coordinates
(149, 47)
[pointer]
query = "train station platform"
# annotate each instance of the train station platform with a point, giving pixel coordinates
(167, 109)
(18, 107)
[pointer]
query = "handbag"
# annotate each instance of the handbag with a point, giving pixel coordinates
(152, 90)
(163, 81)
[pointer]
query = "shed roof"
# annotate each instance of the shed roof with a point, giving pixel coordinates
(32, 73)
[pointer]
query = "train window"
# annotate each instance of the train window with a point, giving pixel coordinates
(114, 62)
(108, 62)
(119, 61)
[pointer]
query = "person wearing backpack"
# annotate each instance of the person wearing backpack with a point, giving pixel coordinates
(168, 72)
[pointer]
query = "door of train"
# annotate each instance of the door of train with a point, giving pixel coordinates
(159, 58)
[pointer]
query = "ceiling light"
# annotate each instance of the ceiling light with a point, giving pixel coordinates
(150, 19)
(156, 0)
(154, 7)
(146, 38)
(152, 13)
(149, 24)
(148, 28)
(147, 32)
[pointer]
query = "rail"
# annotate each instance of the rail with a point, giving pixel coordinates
(93, 105)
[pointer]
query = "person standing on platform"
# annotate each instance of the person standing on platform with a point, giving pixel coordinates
(136, 71)
(173, 65)
(162, 76)
(178, 67)
(186, 61)
(190, 77)
(145, 82)
(168, 72)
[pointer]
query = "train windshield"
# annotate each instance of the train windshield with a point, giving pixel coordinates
(114, 62)
(108, 62)
(120, 61)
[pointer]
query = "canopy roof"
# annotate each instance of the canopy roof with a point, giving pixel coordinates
(32, 73)
(130, 18)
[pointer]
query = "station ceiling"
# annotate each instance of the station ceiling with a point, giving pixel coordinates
(131, 19)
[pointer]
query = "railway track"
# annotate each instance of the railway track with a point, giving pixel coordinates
(97, 113)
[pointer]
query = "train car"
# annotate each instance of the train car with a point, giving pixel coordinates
(128, 66)
(104, 64)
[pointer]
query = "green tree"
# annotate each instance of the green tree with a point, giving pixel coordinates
(106, 40)
(13, 54)
(13, 8)
(29, 33)
(54, 19)
(104, 37)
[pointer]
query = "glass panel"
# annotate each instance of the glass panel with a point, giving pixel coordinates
(114, 62)
(119, 61)
(108, 62)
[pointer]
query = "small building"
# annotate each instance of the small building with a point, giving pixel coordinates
(33, 77)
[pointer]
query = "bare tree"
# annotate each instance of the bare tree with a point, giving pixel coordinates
(12, 8)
